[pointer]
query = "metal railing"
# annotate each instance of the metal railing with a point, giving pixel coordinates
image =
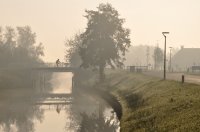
(50, 64)
(33, 65)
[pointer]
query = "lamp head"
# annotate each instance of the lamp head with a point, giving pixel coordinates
(165, 33)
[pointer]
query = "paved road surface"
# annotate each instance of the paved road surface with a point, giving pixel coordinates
(176, 76)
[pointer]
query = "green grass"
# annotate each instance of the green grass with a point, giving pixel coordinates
(151, 104)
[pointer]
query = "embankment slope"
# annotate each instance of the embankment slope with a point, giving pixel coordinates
(151, 104)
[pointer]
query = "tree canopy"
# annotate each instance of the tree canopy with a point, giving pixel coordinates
(158, 57)
(18, 46)
(105, 40)
(72, 53)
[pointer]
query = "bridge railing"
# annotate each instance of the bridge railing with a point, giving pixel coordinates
(50, 64)
(33, 65)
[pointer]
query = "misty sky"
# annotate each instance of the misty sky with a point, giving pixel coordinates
(56, 20)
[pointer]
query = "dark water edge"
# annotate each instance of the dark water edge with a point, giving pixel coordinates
(110, 99)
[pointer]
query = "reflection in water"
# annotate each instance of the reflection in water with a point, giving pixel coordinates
(25, 114)
(53, 121)
(93, 122)
(18, 116)
(61, 82)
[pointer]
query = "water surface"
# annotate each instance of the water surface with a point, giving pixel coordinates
(30, 113)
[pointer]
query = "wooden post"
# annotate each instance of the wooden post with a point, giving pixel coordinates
(183, 79)
(72, 83)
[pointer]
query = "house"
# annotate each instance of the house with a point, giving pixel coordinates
(185, 58)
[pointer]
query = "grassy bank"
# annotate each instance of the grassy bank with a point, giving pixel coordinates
(150, 104)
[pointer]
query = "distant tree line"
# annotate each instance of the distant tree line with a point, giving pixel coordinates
(18, 47)
(158, 57)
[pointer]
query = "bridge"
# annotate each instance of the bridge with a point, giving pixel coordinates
(48, 99)
(55, 69)
(40, 71)
(52, 67)
(41, 67)
(39, 75)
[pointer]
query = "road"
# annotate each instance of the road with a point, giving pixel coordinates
(176, 76)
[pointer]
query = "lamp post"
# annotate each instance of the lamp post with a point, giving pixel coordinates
(164, 34)
(170, 57)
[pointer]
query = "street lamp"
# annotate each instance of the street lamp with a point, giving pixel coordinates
(170, 66)
(164, 34)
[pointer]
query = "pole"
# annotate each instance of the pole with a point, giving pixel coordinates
(165, 54)
(147, 57)
(165, 59)
(170, 68)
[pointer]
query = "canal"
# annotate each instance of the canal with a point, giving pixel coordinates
(80, 111)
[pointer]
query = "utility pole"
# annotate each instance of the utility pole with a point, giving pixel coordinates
(170, 57)
(147, 57)
(164, 34)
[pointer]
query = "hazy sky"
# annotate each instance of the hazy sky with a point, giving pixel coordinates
(56, 20)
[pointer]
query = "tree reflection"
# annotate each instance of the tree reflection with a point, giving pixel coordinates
(86, 114)
(18, 116)
(94, 123)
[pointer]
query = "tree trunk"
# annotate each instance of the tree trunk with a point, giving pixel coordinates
(101, 73)
(155, 65)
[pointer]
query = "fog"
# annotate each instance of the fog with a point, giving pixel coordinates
(55, 21)
(58, 59)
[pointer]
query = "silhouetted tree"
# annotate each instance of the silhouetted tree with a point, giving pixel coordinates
(105, 40)
(26, 49)
(18, 46)
(158, 57)
(72, 53)
(8, 45)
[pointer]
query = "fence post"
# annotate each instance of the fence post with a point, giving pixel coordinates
(183, 79)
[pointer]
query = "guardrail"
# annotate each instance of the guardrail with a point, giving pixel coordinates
(195, 68)
(50, 64)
